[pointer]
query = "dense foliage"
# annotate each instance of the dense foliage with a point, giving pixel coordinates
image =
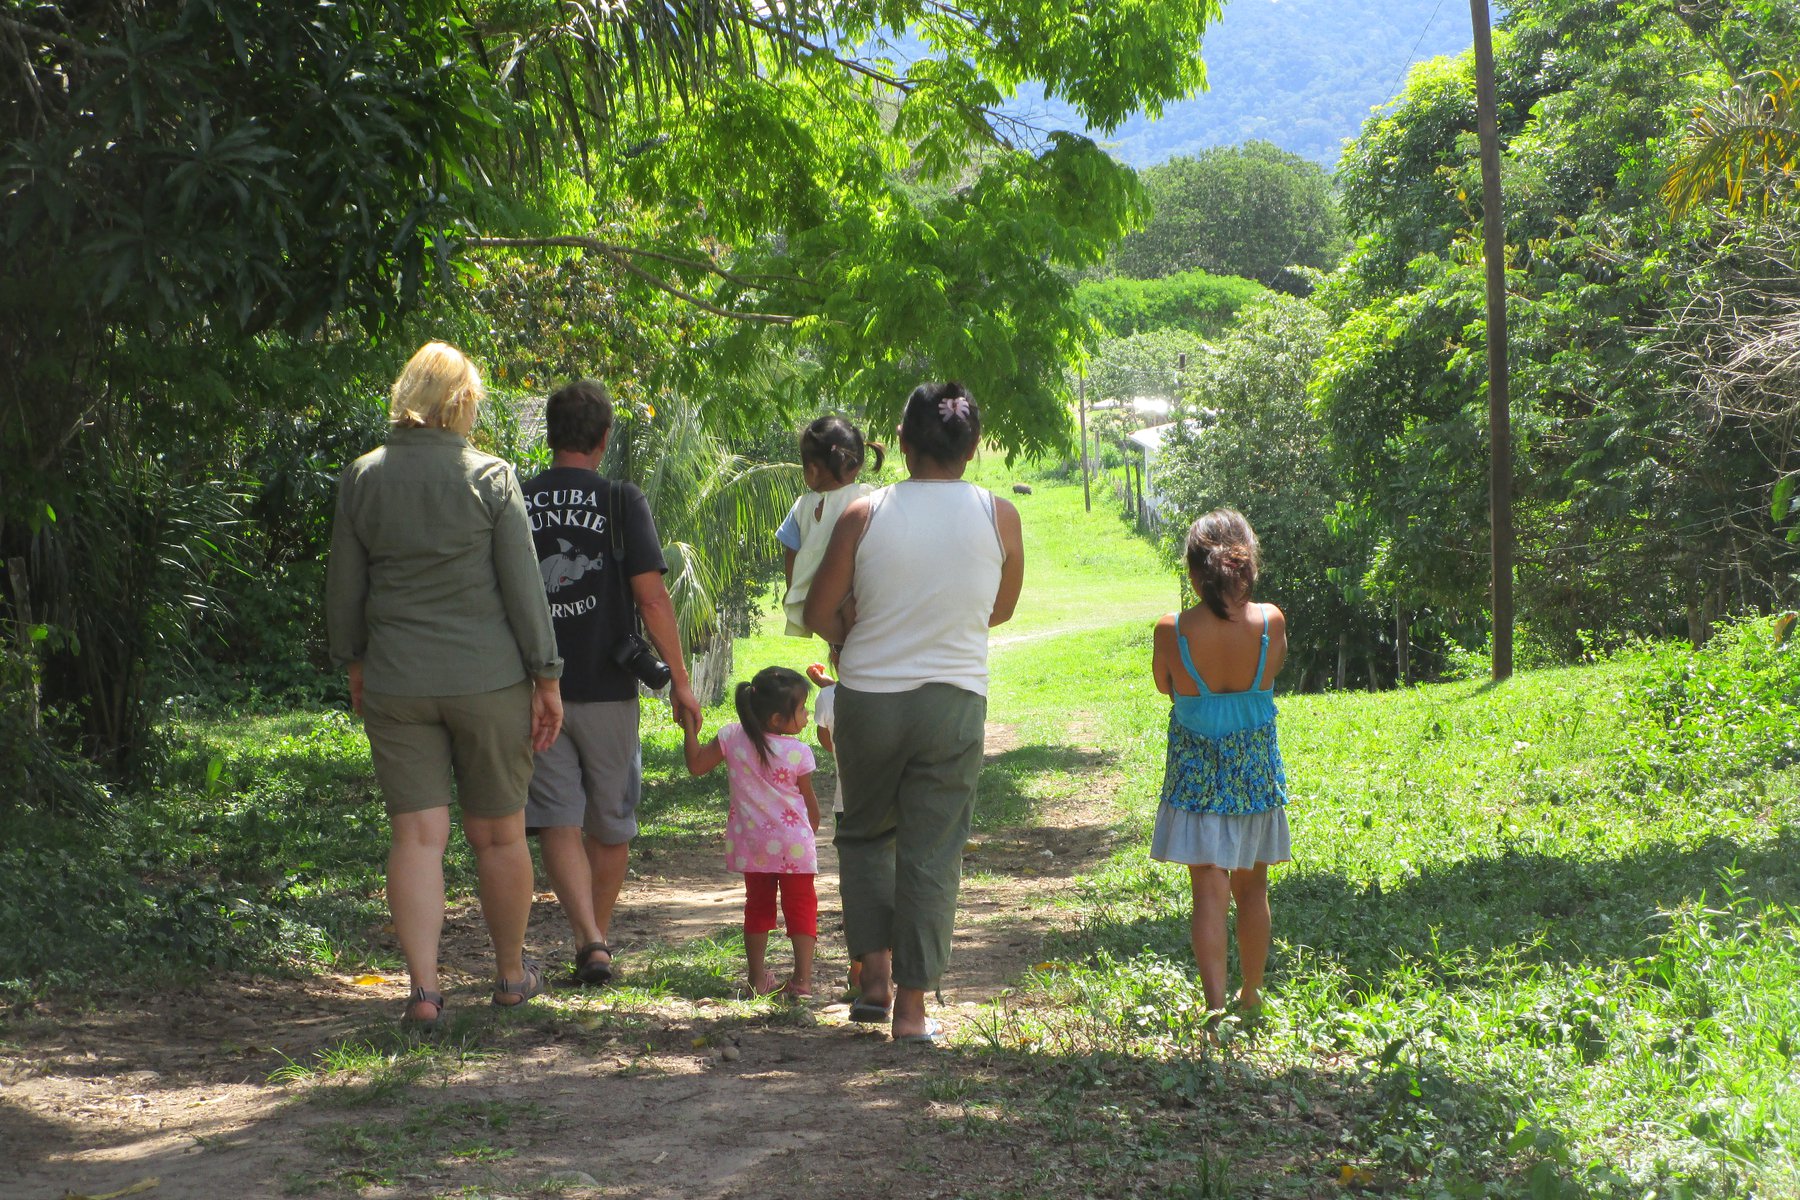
(233, 220)
(1644, 483)
(1202, 304)
(1653, 252)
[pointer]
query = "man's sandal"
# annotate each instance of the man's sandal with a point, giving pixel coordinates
(589, 970)
(531, 985)
(422, 1024)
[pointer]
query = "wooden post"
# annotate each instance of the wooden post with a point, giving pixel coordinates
(1402, 646)
(1493, 236)
(1087, 492)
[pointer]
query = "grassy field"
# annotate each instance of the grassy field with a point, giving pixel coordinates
(1539, 938)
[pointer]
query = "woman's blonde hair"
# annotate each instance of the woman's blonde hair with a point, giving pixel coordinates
(439, 389)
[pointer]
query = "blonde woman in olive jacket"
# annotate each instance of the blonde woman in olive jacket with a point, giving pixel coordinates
(435, 606)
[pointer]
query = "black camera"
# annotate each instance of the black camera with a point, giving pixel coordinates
(635, 655)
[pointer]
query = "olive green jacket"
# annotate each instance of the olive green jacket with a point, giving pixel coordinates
(433, 583)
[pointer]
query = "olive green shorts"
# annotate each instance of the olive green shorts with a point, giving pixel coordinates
(419, 742)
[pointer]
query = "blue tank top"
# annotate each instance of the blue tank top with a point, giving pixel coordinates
(1223, 753)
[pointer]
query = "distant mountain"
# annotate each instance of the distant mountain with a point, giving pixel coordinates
(1300, 73)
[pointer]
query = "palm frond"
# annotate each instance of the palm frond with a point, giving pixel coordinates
(716, 510)
(585, 64)
(1743, 145)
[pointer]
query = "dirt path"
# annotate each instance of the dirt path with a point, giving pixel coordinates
(676, 1098)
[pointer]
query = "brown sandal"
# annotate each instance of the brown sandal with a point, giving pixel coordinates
(423, 1024)
(590, 972)
(531, 985)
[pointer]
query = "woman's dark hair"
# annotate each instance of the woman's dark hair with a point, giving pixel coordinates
(941, 422)
(578, 416)
(838, 446)
(773, 692)
(1223, 558)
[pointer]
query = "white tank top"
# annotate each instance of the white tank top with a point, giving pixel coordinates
(927, 574)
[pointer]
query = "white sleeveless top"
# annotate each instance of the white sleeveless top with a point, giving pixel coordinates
(927, 574)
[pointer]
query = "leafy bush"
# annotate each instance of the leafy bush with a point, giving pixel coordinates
(1193, 300)
(258, 846)
(1722, 713)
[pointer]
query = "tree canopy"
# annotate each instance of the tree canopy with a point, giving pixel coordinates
(1252, 210)
(1644, 478)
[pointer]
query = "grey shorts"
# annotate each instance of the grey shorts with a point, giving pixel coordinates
(593, 776)
(418, 742)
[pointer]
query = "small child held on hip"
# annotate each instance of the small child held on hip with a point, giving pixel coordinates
(831, 457)
(774, 815)
(1224, 795)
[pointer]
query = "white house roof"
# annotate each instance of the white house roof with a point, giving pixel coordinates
(1152, 438)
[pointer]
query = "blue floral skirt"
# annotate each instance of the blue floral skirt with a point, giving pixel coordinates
(1234, 841)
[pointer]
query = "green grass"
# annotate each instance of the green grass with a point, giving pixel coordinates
(423, 1135)
(1539, 940)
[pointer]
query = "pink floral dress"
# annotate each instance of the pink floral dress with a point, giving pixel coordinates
(767, 831)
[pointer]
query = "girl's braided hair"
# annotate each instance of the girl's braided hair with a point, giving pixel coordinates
(1223, 558)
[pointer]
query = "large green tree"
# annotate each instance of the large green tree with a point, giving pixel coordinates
(1252, 210)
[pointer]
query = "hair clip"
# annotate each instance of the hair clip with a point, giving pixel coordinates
(953, 406)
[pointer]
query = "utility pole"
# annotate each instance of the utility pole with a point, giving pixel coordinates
(1493, 235)
(1087, 491)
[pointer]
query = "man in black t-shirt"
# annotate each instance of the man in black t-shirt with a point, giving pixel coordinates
(585, 788)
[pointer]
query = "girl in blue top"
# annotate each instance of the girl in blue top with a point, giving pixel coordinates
(1224, 794)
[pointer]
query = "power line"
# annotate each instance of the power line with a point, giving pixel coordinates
(1407, 66)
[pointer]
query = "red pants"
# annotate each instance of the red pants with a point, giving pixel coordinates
(799, 903)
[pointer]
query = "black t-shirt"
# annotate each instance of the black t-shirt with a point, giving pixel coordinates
(590, 605)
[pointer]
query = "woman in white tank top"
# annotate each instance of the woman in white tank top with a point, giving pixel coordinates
(912, 580)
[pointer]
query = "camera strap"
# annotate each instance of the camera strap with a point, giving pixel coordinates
(615, 532)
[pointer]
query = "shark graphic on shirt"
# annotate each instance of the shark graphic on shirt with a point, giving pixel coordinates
(562, 569)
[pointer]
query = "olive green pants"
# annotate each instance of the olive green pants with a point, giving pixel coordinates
(908, 763)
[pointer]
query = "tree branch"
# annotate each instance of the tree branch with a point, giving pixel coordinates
(905, 86)
(621, 257)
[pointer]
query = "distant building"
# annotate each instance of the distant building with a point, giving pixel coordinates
(1150, 441)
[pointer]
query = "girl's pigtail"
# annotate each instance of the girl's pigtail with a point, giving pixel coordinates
(772, 692)
(751, 719)
(880, 453)
(838, 446)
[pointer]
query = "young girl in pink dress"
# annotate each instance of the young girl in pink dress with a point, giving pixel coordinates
(774, 815)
